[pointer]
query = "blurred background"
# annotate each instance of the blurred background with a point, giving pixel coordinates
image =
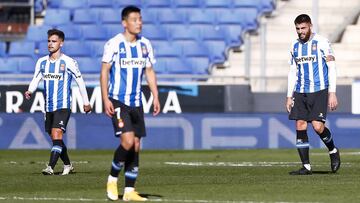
(222, 70)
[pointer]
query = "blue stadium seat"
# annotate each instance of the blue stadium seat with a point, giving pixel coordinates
(218, 3)
(22, 48)
(157, 3)
(123, 3)
(55, 17)
(73, 5)
(38, 6)
(212, 33)
(2, 49)
(43, 49)
(53, 3)
(246, 17)
(110, 16)
(168, 50)
(171, 16)
(216, 51)
(182, 32)
(154, 32)
(202, 17)
(178, 66)
(85, 16)
(149, 16)
(37, 33)
(89, 65)
(7, 65)
(233, 35)
(193, 49)
(77, 49)
(160, 65)
(261, 5)
(71, 32)
(199, 65)
(187, 3)
(97, 48)
(94, 32)
(26, 64)
(100, 3)
(113, 29)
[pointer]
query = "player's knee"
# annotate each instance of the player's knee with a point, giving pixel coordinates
(137, 144)
(301, 125)
(319, 128)
(56, 133)
(127, 142)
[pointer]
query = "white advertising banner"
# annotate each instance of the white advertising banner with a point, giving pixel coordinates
(355, 97)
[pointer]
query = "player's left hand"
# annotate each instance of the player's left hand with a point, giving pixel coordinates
(156, 104)
(87, 108)
(333, 102)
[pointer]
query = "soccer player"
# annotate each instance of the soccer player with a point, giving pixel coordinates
(311, 90)
(57, 70)
(126, 57)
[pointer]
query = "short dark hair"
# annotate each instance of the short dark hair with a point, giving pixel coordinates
(129, 9)
(302, 18)
(57, 32)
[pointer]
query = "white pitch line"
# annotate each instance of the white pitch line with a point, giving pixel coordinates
(242, 164)
(52, 199)
(341, 153)
(43, 162)
(234, 164)
(151, 200)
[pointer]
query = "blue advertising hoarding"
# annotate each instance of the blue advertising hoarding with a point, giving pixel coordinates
(178, 131)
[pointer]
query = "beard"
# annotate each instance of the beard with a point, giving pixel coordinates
(306, 37)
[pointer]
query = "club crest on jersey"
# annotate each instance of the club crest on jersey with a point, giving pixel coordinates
(144, 50)
(62, 67)
(121, 123)
(314, 47)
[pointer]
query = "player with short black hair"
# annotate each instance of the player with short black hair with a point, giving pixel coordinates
(311, 90)
(126, 57)
(57, 71)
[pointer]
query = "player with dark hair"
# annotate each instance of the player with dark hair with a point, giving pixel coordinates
(126, 57)
(311, 90)
(57, 71)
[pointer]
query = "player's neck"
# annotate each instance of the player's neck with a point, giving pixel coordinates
(55, 56)
(130, 37)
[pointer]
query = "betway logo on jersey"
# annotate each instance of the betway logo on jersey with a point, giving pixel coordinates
(305, 59)
(132, 63)
(53, 76)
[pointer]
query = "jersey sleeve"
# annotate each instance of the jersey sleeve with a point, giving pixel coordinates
(325, 47)
(109, 52)
(36, 78)
(73, 69)
(291, 57)
(150, 60)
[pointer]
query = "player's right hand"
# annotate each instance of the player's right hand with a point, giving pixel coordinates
(289, 104)
(87, 108)
(28, 95)
(108, 108)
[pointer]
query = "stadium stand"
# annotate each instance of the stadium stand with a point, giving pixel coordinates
(8, 66)
(280, 32)
(194, 34)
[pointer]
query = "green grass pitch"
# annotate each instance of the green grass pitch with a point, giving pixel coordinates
(207, 176)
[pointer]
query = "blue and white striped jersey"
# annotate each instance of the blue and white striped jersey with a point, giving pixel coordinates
(57, 76)
(310, 61)
(128, 63)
